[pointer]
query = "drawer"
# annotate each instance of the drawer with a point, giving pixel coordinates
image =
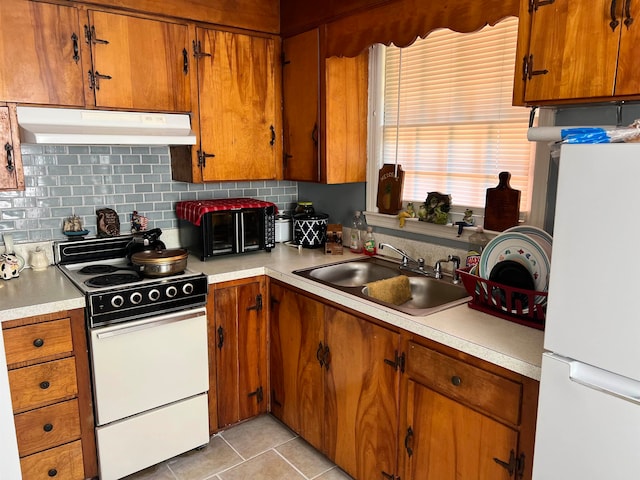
(62, 463)
(47, 427)
(43, 384)
(465, 383)
(40, 340)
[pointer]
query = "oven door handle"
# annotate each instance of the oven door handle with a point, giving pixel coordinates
(123, 330)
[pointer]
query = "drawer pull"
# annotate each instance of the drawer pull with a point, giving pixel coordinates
(47, 427)
(456, 380)
(38, 342)
(44, 385)
(52, 473)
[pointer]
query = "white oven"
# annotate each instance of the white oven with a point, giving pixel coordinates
(150, 380)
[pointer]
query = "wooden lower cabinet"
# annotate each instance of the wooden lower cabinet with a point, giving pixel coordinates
(463, 418)
(238, 345)
(48, 365)
(331, 383)
(383, 405)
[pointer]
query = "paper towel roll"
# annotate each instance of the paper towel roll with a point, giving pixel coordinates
(554, 134)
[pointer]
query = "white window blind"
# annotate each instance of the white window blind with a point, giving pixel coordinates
(454, 124)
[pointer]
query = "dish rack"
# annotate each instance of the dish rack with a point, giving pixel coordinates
(526, 307)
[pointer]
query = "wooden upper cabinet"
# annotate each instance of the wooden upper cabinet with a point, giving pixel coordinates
(239, 110)
(579, 50)
(138, 63)
(325, 112)
(40, 56)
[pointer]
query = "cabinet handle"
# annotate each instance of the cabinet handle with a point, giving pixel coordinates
(53, 472)
(97, 75)
(534, 5)
(408, 441)
(220, 337)
(511, 466)
(202, 158)
(44, 385)
(185, 61)
(76, 50)
(38, 342)
(456, 380)
(273, 135)
(614, 21)
(9, 149)
(319, 354)
(314, 134)
(527, 69)
(47, 427)
(258, 306)
(326, 357)
(627, 13)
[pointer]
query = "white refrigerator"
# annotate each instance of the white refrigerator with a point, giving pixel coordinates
(588, 425)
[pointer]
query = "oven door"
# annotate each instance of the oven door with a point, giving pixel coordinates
(145, 364)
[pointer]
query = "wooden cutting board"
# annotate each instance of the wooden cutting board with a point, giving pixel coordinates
(502, 207)
(390, 183)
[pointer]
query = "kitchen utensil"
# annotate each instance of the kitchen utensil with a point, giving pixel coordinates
(145, 242)
(502, 207)
(519, 247)
(310, 229)
(512, 274)
(39, 260)
(11, 264)
(160, 263)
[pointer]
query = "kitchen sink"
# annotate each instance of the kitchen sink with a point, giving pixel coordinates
(428, 294)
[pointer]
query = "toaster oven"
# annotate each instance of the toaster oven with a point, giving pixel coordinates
(210, 228)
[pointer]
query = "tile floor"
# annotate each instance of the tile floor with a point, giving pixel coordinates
(259, 449)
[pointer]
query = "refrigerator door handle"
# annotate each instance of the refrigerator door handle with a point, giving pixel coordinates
(605, 381)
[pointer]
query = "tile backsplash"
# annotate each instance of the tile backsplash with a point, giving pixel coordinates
(65, 180)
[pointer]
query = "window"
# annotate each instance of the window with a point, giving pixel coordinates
(443, 110)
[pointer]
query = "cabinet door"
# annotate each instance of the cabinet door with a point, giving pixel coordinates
(361, 399)
(11, 171)
(139, 63)
(628, 74)
(241, 352)
(573, 42)
(296, 373)
(237, 101)
(443, 439)
(40, 54)
(301, 87)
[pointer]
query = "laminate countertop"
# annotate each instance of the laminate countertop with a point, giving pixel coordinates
(507, 344)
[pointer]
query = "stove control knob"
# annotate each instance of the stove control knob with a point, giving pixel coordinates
(154, 295)
(117, 301)
(187, 288)
(136, 298)
(171, 291)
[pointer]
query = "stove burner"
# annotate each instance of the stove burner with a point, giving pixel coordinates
(110, 280)
(99, 269)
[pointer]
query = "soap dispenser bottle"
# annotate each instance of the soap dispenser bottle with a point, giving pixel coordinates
(369, 242)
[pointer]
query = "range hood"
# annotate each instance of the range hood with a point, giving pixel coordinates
(101, 127)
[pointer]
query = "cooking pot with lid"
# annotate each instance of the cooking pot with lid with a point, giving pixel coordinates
(160, 263)
(310, 229)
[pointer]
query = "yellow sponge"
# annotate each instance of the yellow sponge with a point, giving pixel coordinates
(396, 290)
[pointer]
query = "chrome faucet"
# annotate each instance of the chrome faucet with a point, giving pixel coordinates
(405, 257)
(437, 268)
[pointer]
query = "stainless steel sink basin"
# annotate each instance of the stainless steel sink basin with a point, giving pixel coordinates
(428, 294)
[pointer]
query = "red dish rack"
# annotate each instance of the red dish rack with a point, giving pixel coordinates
(506, 302)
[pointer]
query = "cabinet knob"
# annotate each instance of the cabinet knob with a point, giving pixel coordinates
(44, 385)
(47, 427)
(456, 380)
(53, 472)
(38, 342)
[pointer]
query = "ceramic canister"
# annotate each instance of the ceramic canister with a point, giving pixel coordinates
(310, 229)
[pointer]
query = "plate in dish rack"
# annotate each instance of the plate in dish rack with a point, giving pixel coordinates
(544, 239)
(520, 248)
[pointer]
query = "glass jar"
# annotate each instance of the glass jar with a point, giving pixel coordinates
(305, 207)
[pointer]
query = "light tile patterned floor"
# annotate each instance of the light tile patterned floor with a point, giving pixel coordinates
(259, 449)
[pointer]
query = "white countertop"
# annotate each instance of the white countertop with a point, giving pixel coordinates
(512, 346)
